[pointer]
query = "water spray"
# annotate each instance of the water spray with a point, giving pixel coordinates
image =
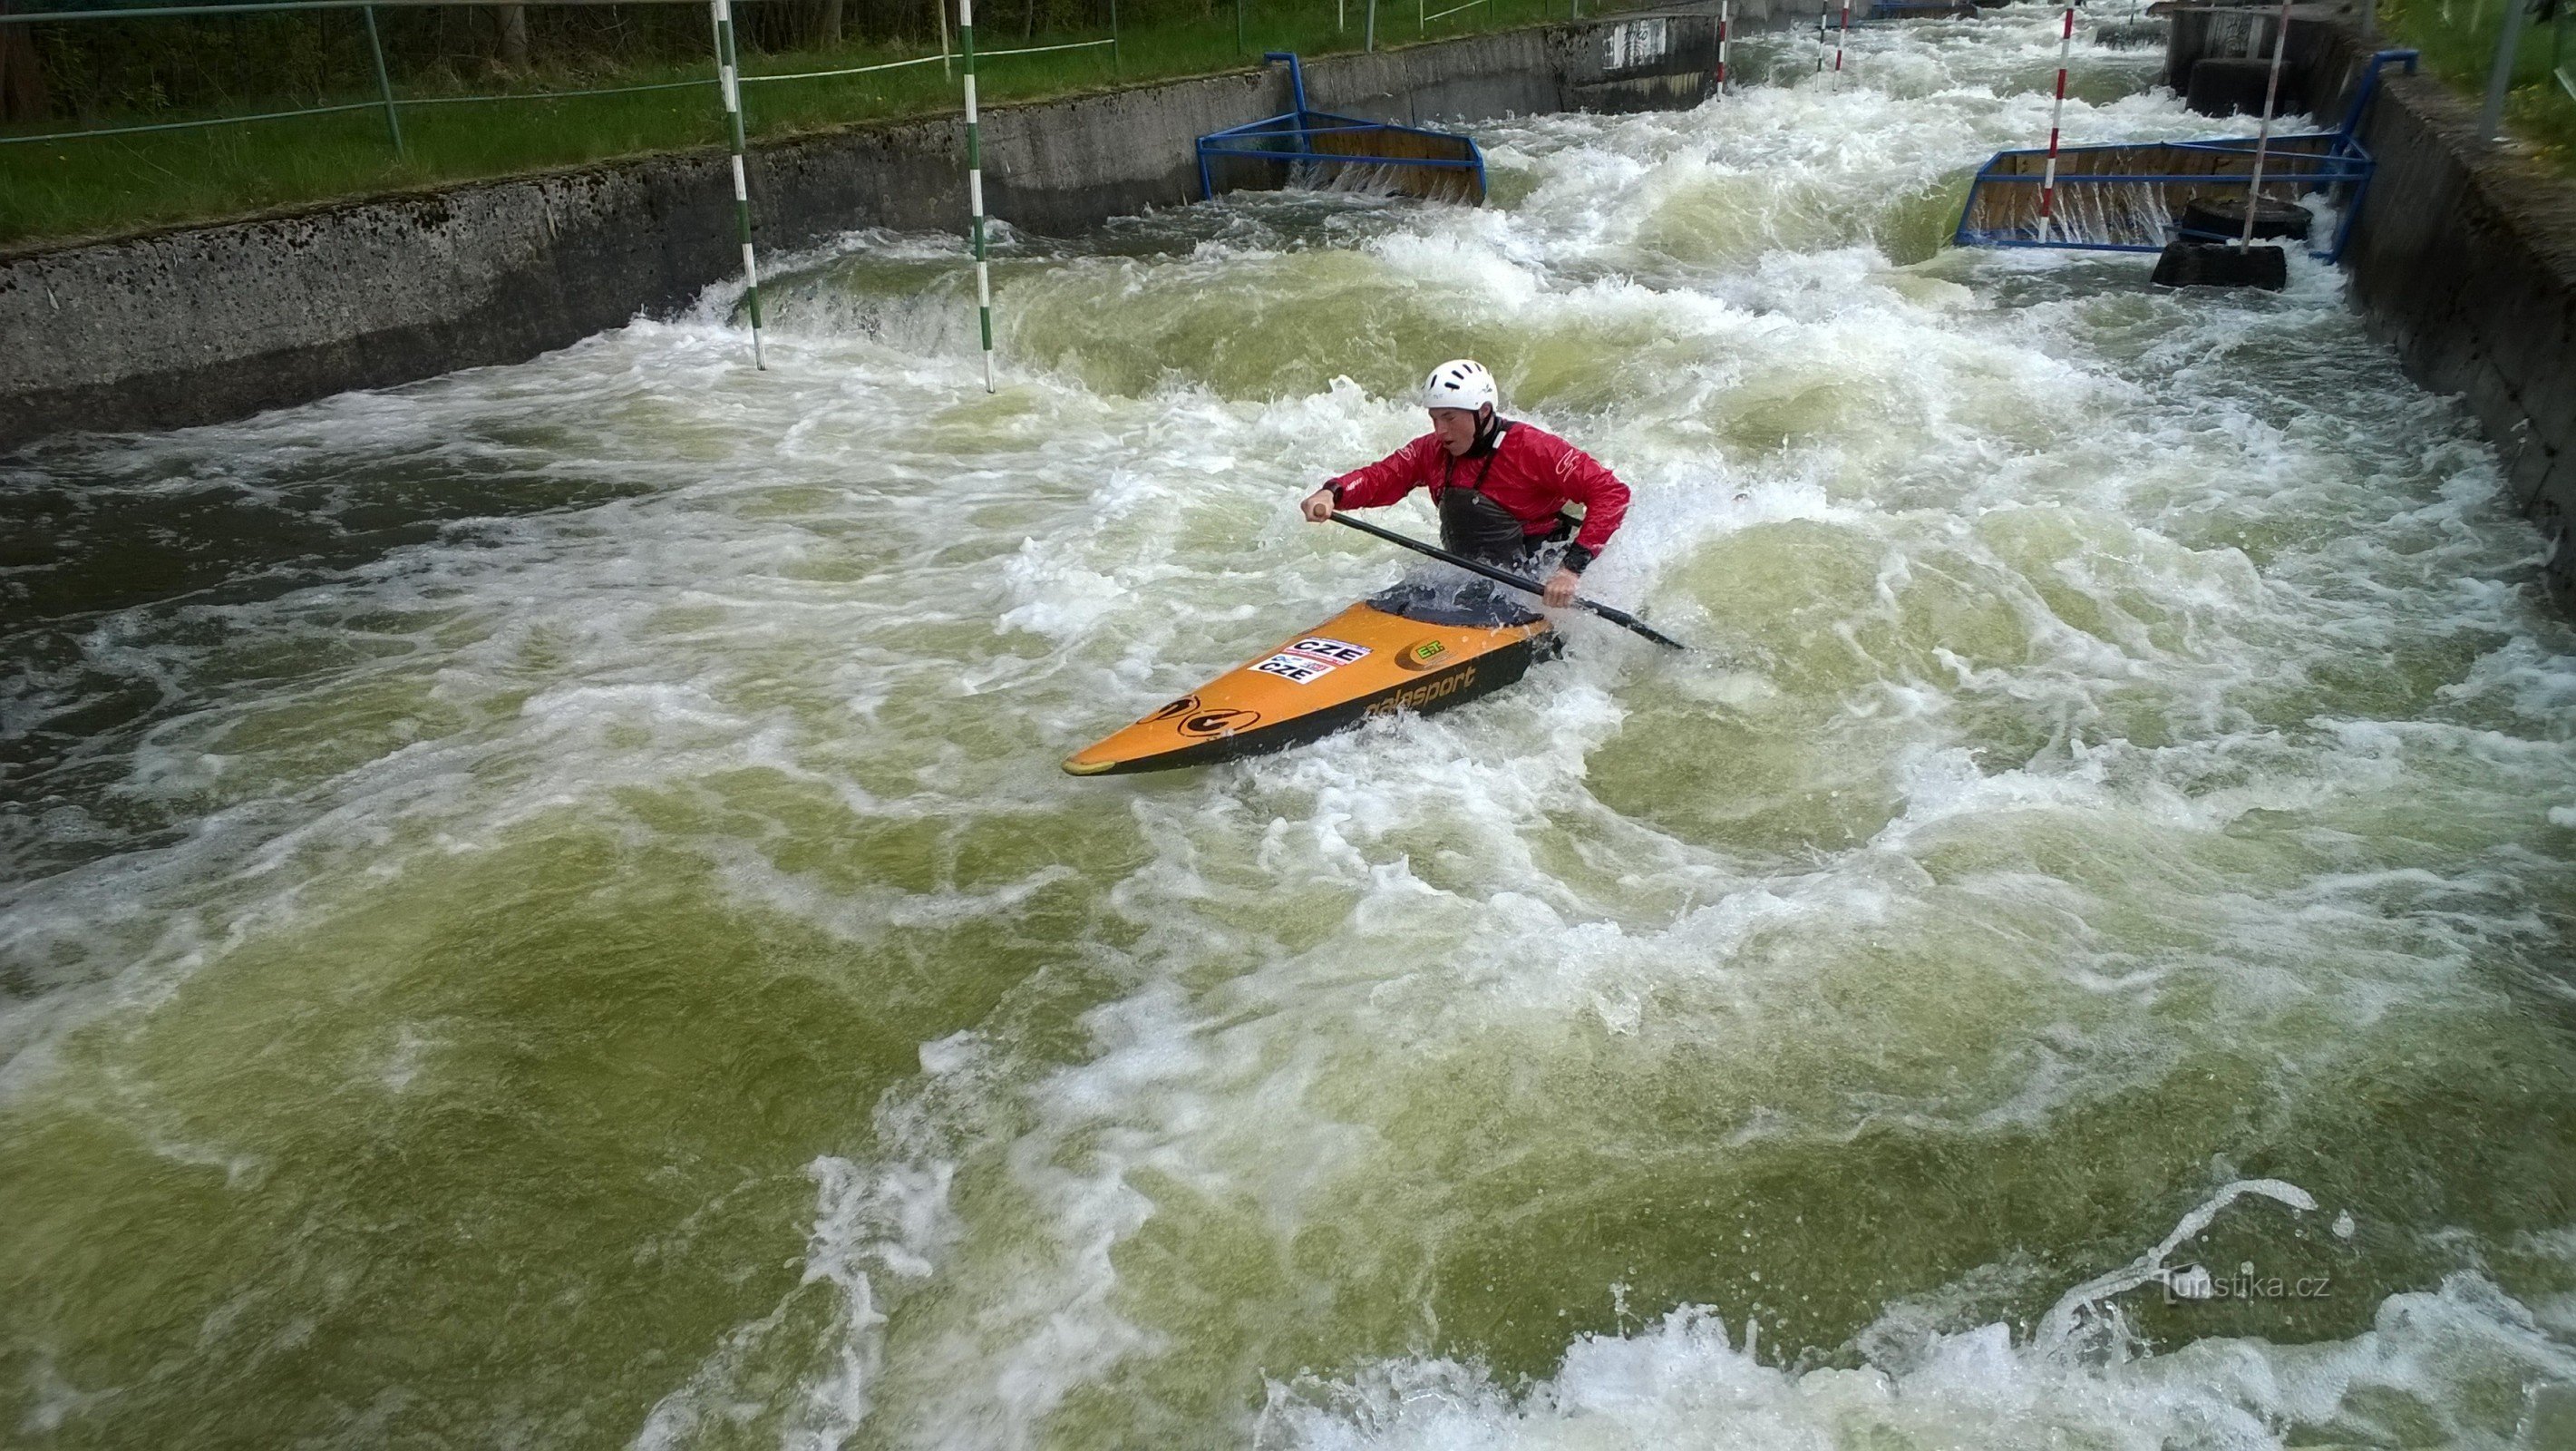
(729, 81)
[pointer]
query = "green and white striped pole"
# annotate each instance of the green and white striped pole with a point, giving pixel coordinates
(384, 82)
(974, 183)
(729, 80)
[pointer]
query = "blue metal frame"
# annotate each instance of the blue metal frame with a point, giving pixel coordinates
(1256, 140)
(2342, 162)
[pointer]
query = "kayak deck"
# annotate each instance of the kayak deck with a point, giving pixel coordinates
(1367, 661)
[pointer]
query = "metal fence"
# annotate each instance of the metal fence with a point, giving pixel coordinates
(392, 104)
(957, 56)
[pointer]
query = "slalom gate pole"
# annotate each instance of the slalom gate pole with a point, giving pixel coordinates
(2263, 133)
(1725, 35)
(1841, 35)
(2056, 109)
(975, 185)
(384, 83)
(729, 81)
(2500, 77)
(1820, 39)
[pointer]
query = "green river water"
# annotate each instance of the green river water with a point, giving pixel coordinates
(540, 909)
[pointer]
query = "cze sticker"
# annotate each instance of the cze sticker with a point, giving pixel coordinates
(1340, 652)
(1298, 668)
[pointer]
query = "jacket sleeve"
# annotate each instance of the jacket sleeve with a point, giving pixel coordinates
(1583, 480)
(1387, 480)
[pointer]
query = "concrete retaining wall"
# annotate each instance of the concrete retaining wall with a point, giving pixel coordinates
(206, 323)
(2464, 258)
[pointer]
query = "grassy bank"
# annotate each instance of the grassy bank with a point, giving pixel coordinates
(106, 185)
(2458, 39)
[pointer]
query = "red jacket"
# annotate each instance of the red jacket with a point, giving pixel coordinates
(1533, 474)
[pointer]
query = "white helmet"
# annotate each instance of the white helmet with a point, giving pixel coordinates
(1460, 383)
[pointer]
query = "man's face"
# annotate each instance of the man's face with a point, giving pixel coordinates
(1456, 428)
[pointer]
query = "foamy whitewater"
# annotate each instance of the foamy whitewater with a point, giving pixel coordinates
(541, 910)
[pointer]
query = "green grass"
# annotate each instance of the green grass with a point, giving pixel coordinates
(105, 186)
(2458, 39)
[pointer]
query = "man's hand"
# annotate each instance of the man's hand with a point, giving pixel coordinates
(1560, 588)
(1318, 506)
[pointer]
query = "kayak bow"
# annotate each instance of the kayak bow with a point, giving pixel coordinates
(1367, 661)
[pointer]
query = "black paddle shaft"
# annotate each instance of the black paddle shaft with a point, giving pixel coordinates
(1505, 576)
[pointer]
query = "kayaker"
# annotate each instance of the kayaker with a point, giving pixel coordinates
(1497, 484)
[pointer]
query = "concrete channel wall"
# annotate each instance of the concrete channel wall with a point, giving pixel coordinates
(2464, 258)
(200, 324)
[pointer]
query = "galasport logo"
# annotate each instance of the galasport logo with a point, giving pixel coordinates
(1426, 692)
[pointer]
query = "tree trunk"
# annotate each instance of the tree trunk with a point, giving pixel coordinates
(22, 79)
(514, 35)
(831, 27)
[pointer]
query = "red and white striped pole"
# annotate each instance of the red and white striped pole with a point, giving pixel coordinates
(1725, 34)
(2263, 137)
(2057, 108)
(1840, 35)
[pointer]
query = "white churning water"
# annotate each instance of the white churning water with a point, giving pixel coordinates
(541, 909)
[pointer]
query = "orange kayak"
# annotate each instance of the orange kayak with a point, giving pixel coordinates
(1396, 652)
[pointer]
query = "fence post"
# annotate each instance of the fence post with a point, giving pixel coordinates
(384, 82)
(728, 80)
(947, 68)
(1372, 26)
(2500, 80)
(975, 187)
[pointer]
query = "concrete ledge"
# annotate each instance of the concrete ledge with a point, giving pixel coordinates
(201, 324)
(2463, 256)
